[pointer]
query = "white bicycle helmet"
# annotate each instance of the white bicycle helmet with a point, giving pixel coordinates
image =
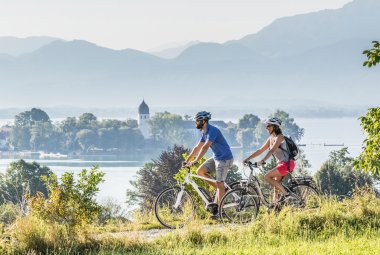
(203, 115)
(273, 121)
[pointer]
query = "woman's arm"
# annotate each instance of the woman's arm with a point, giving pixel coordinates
(259, 151)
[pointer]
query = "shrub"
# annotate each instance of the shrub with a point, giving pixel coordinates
(70, 202)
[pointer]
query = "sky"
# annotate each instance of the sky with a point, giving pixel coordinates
(148, 25)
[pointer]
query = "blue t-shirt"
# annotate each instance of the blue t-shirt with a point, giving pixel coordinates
(219, 145)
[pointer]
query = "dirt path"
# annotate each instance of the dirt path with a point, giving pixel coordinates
(152, 234)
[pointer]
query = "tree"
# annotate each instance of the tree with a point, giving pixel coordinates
(108, 138)
(130, 138)
(21, 132)
(168, 129)
(131, 123)
(20, 137)
(230, 134)
(288, 126)
(21, 178)
(245, 137)
(69, 128)
(45, 137)
(28, 118)
(87, 138)
(248, 121)
(110, 123)
(261, 134)
(373, 55)
(338, 177)
(369, 159)
(87, 121)
(156, 176)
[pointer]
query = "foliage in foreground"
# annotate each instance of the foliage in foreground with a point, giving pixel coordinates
(369, 159)
(350, 226)
(71, 201)
(373, 55)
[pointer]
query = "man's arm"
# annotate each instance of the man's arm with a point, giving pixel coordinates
(202, 151)
(195, 151)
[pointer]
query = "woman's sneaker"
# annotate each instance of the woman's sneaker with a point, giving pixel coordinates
(286, 197)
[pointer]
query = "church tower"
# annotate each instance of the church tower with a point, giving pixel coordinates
(143, 120)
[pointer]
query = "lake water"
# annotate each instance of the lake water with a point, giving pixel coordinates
(120, 173)
(345, 131)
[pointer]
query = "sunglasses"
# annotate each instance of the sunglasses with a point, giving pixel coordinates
(268, 126)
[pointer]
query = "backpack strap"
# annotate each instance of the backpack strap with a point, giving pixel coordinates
(287, 151)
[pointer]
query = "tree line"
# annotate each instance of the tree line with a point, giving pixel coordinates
(34, 130)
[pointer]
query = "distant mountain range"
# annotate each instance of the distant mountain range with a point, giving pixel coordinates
(173, 51)
(16, 46)
(306, 60)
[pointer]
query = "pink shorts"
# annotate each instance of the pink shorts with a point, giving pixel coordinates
(283, 167)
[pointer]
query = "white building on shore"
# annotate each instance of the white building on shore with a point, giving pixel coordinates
(143, 120)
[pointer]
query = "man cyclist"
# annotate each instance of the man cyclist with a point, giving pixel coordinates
(222, 159)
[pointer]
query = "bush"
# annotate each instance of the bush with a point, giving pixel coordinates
(70, 202)
(9, 213)
(111, 211)
(154, 177)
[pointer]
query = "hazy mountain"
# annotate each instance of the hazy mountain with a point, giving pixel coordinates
(16, 46)
(314, 57)
(292, 35)
(173, 52)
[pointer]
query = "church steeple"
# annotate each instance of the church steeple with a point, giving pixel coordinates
(143, 108)
(143, 120)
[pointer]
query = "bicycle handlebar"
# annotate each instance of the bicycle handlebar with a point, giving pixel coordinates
(249, 163)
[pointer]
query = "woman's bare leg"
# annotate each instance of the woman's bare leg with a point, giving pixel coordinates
(274, 178)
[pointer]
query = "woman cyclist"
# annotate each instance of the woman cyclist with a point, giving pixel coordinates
(278, 148)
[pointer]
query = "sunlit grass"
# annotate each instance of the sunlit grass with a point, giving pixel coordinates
(348, 227)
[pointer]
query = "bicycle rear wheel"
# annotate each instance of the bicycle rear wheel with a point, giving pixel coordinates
(309, 197)
(171, 215)
(238, 206)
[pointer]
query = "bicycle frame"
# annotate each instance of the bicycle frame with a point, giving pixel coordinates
(188, 180)
(252, 179)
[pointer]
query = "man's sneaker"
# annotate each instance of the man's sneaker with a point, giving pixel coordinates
(212, 208)
(215, 216)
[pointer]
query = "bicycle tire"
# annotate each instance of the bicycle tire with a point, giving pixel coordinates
(238, 206)
(165, 212)
(309, 195)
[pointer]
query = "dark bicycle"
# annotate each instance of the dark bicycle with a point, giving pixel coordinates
(242, 203)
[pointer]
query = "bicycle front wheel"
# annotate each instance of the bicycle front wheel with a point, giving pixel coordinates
(238, 206)
(173, 208)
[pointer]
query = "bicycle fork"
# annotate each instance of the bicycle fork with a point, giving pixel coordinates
(179, 197)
